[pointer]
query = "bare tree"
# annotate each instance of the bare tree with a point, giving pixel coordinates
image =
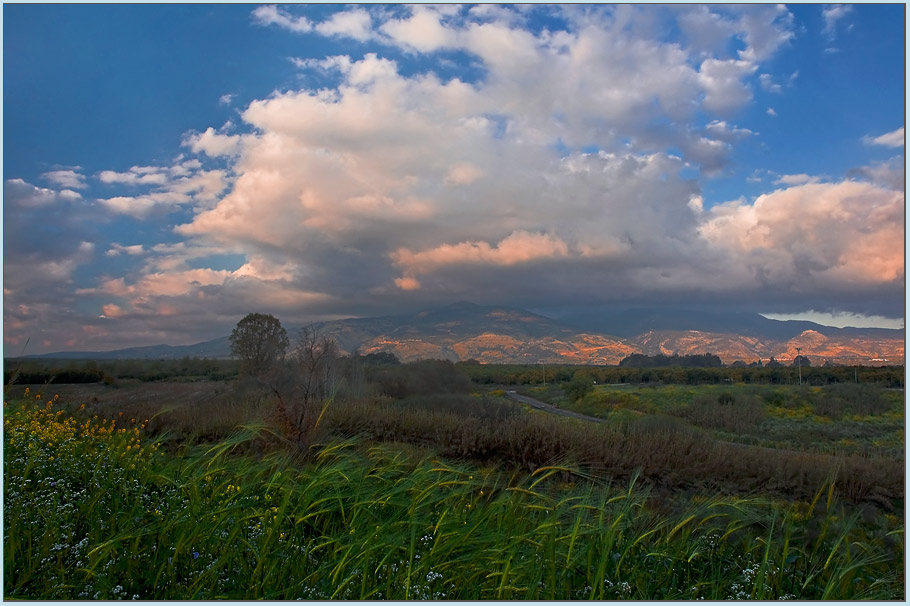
(306, 385)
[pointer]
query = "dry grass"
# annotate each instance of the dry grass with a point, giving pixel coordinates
(669, 454)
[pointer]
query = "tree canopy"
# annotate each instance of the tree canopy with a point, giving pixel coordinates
(258, 341)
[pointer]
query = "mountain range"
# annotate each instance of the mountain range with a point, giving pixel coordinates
(497, 334)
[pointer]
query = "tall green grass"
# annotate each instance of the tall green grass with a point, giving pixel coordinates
(94, 510)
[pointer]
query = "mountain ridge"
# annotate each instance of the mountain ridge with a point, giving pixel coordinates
(503, 334)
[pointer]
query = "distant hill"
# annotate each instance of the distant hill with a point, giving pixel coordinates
(490, 334)
(634, 322)
(216, 348)
(497, 334)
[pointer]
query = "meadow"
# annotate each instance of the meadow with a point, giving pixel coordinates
(189, 490)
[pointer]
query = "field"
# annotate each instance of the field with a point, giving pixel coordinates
(839, 419)
(428, 486)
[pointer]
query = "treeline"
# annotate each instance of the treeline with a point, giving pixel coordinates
(527, 374)
(388, 376)
(51, 371)
(637, 360)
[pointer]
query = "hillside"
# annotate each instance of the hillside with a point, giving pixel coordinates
(496, 334)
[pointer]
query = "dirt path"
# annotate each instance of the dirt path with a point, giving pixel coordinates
(543, 406)
(549, 407)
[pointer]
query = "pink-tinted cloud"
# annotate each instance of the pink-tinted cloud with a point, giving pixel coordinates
(847, 233)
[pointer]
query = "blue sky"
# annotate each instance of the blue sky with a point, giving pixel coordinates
(169, 168)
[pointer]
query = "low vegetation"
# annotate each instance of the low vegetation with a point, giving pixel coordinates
(99, 509)
(322, 476)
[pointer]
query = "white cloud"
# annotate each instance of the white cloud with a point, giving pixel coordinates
(764, 28)
(395, 187)
(727, 132)
(800, 179)
(226, 99)
(815, 237)
(137, 175)
(517, 247)
(356, 24)
(707, 32)
(893, 139)
(842, 319)
(272, 15)
(116, 249)
(463, 173)
(409, 184)
(68, 178)
(212, 143)
(422, 31)
(888, 174)
(723, 82)
(770, 111)
(831, 15)
(768, 84)
(140, 207)
(28, 195)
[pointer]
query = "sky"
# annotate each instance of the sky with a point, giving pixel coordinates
(168, 169)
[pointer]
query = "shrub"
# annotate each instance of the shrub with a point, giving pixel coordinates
(726, 412)
(836, 401)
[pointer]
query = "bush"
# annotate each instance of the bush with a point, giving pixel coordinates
(836, 401)
(422, 378)
(726, 412)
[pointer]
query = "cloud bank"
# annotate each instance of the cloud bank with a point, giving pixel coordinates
(563, 174)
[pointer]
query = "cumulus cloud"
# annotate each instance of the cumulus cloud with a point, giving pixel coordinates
(25, 194)
(382, 180)
(356, 24)
(47, 235)
(888, 174)
(116, 249)
(517, 247)
(814, 238)
(724, 84)
(463, 173)
(563, 172)
(67, 178)
(185, 183)
(764, 28)
(727, 132)
(893, 139)
(141, 207)
(137, 175)
(212, 143)
(422, 31)
(272, 15)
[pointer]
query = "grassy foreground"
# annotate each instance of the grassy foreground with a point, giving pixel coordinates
(94, 509)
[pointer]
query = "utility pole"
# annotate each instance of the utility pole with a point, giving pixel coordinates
(799, 365)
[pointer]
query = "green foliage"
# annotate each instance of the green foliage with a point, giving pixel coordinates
(578, 387)
(533, 374)
(638, 360)
(840, 400)
(734, 414)
(421, 378)
(259, 341)
(59, 372)
(94, 515)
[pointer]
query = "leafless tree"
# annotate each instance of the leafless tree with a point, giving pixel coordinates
(306, 385)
